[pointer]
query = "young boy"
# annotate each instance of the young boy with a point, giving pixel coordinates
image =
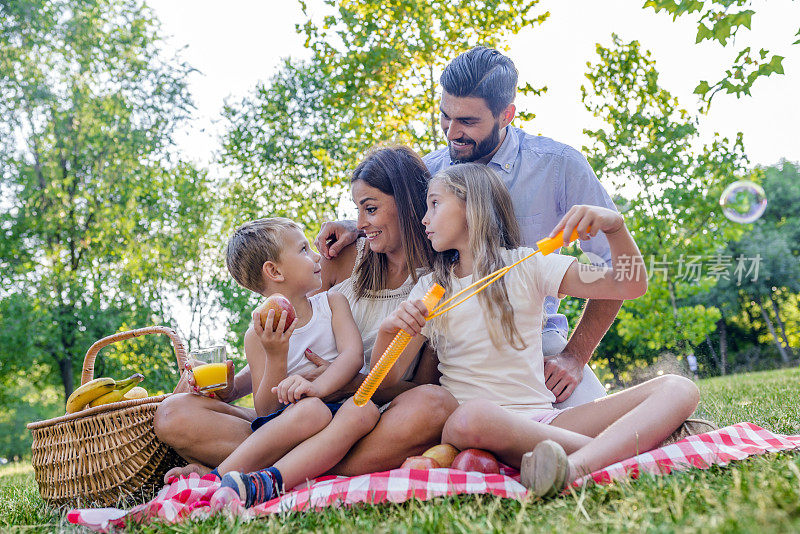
(296, 433)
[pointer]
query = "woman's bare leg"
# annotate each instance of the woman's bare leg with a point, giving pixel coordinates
(202, 430)
(411, 424)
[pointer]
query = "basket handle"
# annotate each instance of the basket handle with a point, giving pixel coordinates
(91, 354)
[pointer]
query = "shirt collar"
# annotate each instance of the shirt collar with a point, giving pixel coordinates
(507, 155)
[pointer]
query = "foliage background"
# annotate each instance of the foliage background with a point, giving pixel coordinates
(106, 227)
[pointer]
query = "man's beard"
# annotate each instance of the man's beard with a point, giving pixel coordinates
(479, 150)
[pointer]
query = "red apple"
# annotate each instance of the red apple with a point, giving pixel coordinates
(476, 460)
(444, 454)
(279, 303)
(420, 462)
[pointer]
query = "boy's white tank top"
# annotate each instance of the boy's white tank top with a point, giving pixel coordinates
(316, 334)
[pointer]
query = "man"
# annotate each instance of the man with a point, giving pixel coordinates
(545, 179)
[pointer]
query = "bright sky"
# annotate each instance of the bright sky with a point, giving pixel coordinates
(239, 43)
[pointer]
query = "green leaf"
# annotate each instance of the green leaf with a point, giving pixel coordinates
(702, 88)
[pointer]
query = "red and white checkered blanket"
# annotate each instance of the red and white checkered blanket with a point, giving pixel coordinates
(190, 497)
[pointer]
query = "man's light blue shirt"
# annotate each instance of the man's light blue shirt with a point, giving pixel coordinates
(545, 178)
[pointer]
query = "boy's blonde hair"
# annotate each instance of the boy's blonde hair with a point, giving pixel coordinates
(491, 225)
(253, 244)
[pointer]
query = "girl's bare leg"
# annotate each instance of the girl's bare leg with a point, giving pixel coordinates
(622, 425)
(322, 451)
(627, 423)
(277, 437)
(484, 425)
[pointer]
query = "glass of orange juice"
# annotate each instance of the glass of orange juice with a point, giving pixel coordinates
(210, 368)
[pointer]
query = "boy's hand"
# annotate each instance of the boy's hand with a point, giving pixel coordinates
(274, 341)
(409, 316)
(587, 221)
(293, 388)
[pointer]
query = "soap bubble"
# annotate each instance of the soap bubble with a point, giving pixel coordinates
(743, 201)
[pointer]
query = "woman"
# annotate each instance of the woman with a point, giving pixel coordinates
(375, 274)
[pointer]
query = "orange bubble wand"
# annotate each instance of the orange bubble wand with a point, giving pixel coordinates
(431, 298)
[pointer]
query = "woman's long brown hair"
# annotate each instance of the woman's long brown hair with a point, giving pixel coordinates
(399, 172)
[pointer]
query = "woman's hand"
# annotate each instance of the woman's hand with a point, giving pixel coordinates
(226, 394)
(409, 316)
(293, 388)
(274, 341)
(587, 221)
(321, 366)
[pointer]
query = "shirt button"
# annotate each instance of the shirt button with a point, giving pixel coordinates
(508, 165)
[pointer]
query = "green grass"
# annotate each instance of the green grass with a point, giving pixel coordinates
(760, 494)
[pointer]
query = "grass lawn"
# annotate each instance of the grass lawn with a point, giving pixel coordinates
(757, 495)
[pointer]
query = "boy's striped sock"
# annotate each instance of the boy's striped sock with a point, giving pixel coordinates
(254, 488)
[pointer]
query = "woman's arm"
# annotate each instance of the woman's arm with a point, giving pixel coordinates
(348, 344)
(628, 277)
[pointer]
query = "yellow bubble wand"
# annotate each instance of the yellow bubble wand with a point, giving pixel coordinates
(431, 298)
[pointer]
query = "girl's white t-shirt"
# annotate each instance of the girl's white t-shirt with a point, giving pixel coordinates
(471, 366)
(316, 334)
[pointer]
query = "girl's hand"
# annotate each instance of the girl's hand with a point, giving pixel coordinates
(587, 221)
(293, 388)
(409, 316)
(274, 341)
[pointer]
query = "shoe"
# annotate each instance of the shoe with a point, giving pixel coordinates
(690, 427)
(544, 470)
(252, 488)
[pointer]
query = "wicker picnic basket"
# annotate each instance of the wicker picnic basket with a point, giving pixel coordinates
(108, 453)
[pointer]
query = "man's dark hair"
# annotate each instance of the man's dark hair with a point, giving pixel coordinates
(484, 73)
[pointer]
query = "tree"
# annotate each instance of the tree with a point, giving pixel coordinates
(372, 77)
(721, 21)
(646, 145)
(102, 220)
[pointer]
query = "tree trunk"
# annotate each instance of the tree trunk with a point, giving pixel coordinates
(434, 115)
(771, 327)
(67, 377)
(781, 324)
(717, 360)
(723, 347)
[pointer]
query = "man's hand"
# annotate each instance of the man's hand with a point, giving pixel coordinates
(562, 374)
(334, 236)
(293, 388)
(321, 365)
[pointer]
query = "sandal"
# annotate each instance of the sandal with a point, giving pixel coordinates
(544, 470)
(690, 427)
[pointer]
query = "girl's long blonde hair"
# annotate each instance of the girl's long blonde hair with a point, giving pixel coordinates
(491, 225)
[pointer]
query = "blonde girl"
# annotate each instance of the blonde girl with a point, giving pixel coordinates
(489, 348)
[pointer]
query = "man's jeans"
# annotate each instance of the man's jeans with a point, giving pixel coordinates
(590, 387)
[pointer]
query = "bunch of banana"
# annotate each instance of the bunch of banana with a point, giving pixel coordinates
(101, 391)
